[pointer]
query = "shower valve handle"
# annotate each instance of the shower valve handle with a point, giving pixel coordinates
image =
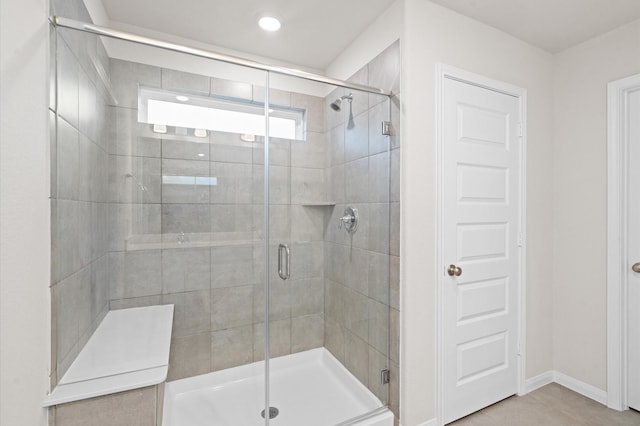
(349, 220)
(345, 220)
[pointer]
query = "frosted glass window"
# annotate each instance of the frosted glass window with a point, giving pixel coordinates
(161, 107)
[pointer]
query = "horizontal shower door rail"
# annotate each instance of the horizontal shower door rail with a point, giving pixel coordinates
(122, 35)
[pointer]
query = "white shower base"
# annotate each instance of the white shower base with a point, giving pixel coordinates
(309, 388)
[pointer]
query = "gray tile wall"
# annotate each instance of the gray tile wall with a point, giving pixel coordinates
(215, 276)
(362, 270)
(79, 191)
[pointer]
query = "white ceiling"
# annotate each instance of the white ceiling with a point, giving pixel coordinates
(315, 32)
(552, 25)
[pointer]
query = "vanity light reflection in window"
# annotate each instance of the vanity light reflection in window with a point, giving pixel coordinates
(160, 108)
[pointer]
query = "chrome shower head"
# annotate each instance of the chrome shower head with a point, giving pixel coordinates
(335, 105)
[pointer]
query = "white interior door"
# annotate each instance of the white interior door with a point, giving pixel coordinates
(633, 299)
(481, 215)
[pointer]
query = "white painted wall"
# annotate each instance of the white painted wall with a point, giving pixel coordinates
(380, 34)
(97, 12)
(581, 75)
(434, 34)
(181, 62)
(24, 212)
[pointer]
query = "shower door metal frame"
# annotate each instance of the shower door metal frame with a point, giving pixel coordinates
(267, 237)
(125, 36)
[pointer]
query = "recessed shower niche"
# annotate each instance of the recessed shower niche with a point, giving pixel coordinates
(177, 180)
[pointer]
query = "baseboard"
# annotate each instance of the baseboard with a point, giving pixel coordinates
(582, 388)
(538, 381)
(568, 382)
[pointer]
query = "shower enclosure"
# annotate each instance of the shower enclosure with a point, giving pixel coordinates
(256, 202)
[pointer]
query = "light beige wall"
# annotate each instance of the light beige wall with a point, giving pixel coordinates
(434, 34)
(381, 33)
(581, 75)
(24, 212)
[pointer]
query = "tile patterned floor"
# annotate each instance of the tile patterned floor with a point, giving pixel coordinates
(551, 405)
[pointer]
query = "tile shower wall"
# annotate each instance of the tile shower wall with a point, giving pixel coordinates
(363, 172)
(79, 192)
(200, 247)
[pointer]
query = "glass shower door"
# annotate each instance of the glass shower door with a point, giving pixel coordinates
(177, 177)
(329, 243)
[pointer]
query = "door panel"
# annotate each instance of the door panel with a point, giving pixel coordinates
(477, 124)
(633, 379)
(480, 235)
(479, 300)
(482, 241)
(481, 357)
(482, 184)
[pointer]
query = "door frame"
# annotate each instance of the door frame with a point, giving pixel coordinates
(617, 225)
(443, 72)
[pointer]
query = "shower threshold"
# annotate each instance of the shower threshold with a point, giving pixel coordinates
(309, 388)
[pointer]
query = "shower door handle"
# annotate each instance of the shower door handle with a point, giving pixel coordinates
(286, 272)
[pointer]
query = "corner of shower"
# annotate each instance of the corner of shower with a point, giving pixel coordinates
(224, 189)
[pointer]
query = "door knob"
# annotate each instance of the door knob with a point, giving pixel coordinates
(636, 267)
(455, 270)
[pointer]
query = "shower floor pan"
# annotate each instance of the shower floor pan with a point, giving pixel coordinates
(309, 388)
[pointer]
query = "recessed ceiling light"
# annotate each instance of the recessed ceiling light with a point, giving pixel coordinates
(269, 23)
(182, 98)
